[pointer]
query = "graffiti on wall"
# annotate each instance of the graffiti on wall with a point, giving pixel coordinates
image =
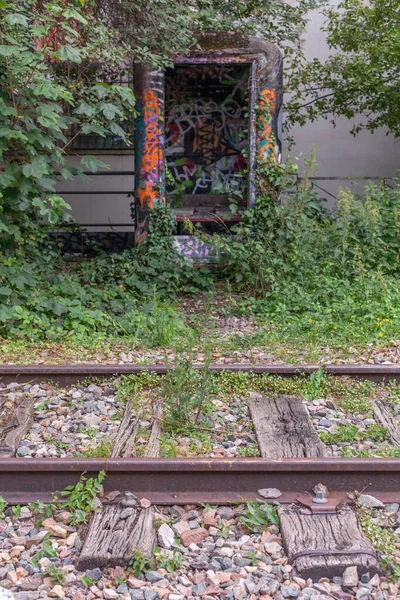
(265, 138)
(206, 127)
(149, 145)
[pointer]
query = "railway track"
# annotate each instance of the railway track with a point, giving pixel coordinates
(197, 479)
(291, 467)
(70, 374)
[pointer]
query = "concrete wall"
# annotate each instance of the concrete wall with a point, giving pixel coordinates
(339, 154)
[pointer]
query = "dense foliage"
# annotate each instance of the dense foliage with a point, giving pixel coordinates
(360, 78)
(51, 91)
(157, 29)
(305, 273)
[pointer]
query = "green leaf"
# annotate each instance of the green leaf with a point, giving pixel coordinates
(93, 128)
(8, 51)
(110, 111)
(5, 291)
(16, 19)
(84, 108)
(117, 130)
(69, 53)
(37, 168)
(47, 184)
(70, 13)
(46, 89)
(93, 163)
(48, 121)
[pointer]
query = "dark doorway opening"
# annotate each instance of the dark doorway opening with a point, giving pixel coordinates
(206, 139)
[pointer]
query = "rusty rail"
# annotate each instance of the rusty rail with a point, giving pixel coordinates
(182, 481)
(70, 374)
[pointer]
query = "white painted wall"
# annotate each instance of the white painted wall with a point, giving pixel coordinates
(339, 154)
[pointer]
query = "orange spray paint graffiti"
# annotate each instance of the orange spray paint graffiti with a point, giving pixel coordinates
(265, 141)
(151, 163)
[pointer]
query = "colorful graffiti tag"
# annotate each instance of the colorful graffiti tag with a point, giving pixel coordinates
(206, 127)
(151, 163)
(149, 146)
(265, 138)
(267, 144)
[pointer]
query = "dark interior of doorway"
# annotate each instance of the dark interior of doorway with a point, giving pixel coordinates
(206, 140)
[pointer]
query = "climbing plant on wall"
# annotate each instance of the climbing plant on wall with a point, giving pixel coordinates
(50, 55)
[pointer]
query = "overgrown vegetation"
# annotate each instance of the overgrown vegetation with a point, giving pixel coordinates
(383, 539)
(258, 515)
(80, 498)
(305, 275)
(51, 92)
(359, 78)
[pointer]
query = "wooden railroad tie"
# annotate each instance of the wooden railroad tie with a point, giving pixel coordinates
(324, 545)
(112, 536)
(283, 427)
(20, 423)
(317, 545)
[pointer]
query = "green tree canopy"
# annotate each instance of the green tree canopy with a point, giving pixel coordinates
(54, 59)
(361, 77)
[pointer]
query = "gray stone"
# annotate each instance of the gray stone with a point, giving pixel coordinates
(270, 493)
(241, 562)
(325, 422)
(166, 536)
(94, 574)
(199, 588)
(350, 577)
(309, 593)
(150, 595)
(136, 594)
(22, 451)
(251, 584)
(225, 512)
(269, 586)
(370, 501)
(123, 588)
(392, 508)
(363, 594)
(26, 595)
(153, 576)
(288, 592)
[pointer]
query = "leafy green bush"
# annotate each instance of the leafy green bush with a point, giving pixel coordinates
(317, 274)
(51, 92)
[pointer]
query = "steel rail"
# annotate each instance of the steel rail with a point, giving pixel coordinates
(70, 374)
(183, 481)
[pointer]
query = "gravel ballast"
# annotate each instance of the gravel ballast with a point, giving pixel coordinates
(210, 555)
